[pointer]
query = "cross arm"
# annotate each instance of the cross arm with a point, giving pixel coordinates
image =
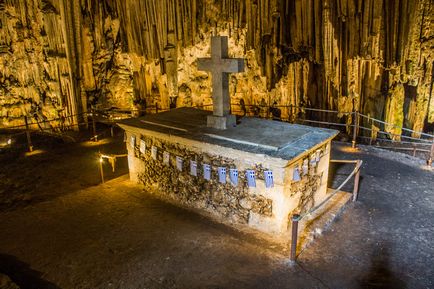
(205, 64)
(228, 65)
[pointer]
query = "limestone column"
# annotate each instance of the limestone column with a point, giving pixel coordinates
(71, 29)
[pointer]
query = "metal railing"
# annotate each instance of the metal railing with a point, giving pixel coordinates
(296, 218)
(59, 127)
(351, 123)
(112, 158)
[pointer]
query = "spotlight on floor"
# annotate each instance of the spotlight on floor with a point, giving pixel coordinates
(94, 144)
(34, 152)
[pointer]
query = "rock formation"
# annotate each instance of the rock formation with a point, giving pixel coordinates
(59, 58)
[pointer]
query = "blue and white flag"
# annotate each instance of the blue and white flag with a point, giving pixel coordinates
(318, 155)
(206, 172)
(193, 168)
(222, 175)
(179, 162)
(142, 146)
(296, 174)
(133, 141)
(166, 158)
(305, 167)
(268, 176)
(154, 152)
(233, 175)
(251, 179)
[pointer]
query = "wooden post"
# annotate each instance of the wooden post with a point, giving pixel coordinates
(112, 133)
(29, 140)
(95, 136)
(431, 156)
(294, 237)
(356, 182)
(101, 169)
(156, 107)
(355, 128)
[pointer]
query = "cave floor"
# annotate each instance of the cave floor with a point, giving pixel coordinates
(68, 232)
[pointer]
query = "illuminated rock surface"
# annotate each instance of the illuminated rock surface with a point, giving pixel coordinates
(59, 57)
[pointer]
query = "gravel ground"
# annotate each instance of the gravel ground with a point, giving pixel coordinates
(69, 232)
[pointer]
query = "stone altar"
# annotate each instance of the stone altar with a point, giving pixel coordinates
(177, 157)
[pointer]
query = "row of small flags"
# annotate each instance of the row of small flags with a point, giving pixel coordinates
(222, 171)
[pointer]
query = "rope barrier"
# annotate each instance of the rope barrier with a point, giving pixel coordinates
(46, 120)
(394, 141)
(405, 149)
(325, 122)
(112, 160)
(317, 109)
(355, 125)
(250, 105)
(293, 106)
(395, 126)
(95, 137)
(296, 217)
(56, 134)
(113, 156)
(335, 191)
(426, 142)
(16, 134)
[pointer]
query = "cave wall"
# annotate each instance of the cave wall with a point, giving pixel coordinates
(60, 57)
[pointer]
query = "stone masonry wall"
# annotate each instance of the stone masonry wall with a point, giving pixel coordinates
(225, 200)
(301, 195)
(265, 209)
(311, 189)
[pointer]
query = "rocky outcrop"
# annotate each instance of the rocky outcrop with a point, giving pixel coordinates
(6, 283)
(60, 57)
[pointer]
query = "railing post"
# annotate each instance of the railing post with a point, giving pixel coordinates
(95, 136)
(101, 168)
(356, 182)
(294, 237)
(355, 128)
(29, 140)
(431, 156)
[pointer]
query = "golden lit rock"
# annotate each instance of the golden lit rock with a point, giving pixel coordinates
(59, 58)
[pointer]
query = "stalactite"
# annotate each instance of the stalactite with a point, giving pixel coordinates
(72, 33)
(335, 54)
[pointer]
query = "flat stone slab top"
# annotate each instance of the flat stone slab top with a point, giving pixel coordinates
(272, 138)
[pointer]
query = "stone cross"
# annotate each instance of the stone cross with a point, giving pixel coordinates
(220, 66)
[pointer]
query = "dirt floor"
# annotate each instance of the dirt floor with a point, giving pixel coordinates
(60, 229)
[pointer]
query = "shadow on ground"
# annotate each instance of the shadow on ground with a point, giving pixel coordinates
(22, 274)
(117, 236)
(380, 275)
(384, 239)
(54, 169)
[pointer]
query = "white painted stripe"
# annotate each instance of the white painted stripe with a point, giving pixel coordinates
(163, 125)
(243, 142)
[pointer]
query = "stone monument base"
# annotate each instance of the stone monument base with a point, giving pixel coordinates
(221, 122)
(178, 158)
